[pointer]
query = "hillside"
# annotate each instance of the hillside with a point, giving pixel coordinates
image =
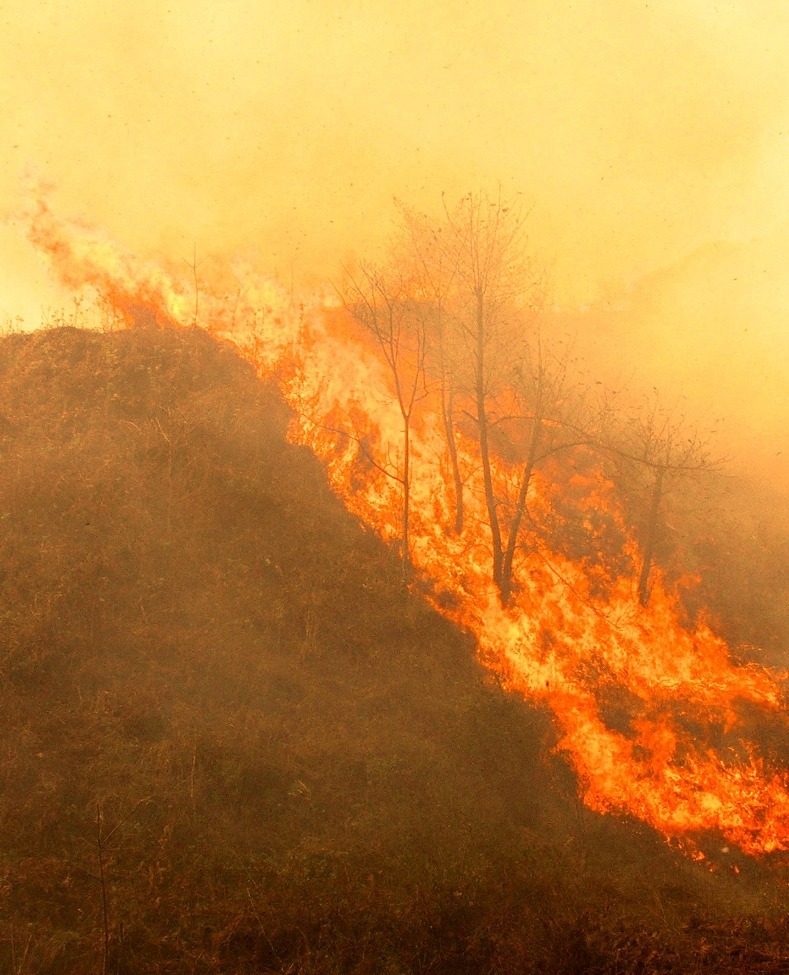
(235, 744)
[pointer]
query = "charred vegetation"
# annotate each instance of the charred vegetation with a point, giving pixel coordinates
(234, 744)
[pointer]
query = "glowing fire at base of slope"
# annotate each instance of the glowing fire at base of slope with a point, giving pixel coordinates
(645, 707)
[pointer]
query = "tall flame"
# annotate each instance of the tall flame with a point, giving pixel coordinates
(647, 708)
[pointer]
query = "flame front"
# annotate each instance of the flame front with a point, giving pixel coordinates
(651, 714)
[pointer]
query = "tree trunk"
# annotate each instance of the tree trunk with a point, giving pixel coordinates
(484, 447)
(650, 536)
(505, 586)
(448, 416)
(406, 496)
(448, 420)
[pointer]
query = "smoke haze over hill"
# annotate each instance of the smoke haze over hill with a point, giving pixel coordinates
(650, 141)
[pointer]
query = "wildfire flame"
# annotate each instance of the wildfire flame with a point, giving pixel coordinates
(642, 702)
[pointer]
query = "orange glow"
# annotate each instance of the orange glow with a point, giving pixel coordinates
(651, 141)
(655, 718)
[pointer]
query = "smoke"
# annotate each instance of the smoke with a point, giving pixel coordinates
(650, 142)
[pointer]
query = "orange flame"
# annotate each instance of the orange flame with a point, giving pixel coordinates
(651, 714)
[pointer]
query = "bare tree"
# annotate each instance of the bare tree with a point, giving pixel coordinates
(194, 266)
(456, 306)
(381, 302)
(431, 270)
(662, 445)
(496, 291)
(553, 415)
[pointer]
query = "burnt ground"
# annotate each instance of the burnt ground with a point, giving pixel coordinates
(234, 744)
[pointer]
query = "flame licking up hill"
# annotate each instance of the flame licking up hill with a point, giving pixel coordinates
(646, 708)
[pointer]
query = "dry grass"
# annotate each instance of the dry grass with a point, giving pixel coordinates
(211, 675)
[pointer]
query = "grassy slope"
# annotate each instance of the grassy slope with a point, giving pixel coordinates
(210, 675)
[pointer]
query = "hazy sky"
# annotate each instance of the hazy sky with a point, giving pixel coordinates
(650, 139)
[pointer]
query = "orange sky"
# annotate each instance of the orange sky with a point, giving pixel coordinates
(651, 140)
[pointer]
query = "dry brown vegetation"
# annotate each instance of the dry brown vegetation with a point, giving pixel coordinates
(234, 744)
